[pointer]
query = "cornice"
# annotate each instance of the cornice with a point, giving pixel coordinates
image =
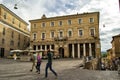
(4, 7)
(14, 28)
(63, 17)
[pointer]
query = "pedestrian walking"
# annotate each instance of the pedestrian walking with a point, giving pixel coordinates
(34, 60)
(118, 65)
(49, 64)
(15, 56)
(39, 60)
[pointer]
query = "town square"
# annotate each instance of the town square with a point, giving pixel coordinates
(67, 69)
(59, 40)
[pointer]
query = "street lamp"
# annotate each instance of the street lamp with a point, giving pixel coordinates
(15, 6)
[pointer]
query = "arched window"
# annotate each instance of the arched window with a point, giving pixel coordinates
(34, 36)
(43, 35)
(80, 32)
(70, 33)
(52, 34)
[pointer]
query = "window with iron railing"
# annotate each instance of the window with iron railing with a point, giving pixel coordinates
(43, 36)
(80, 32)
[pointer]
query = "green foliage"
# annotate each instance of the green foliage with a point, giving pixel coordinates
(104, 54)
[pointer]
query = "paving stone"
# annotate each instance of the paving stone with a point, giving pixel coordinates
(67, 69)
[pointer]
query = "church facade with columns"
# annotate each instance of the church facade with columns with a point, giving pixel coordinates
(71, 36)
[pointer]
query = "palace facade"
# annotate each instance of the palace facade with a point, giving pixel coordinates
(115, 46)
(14, 33)
(73, 36)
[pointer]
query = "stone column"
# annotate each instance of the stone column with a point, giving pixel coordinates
(78, 50)
(56, 49)
(73, 54)
(90, 50)
(41, 47)
(84, 49)
(50, 46)
(36, 47)
(45, 47)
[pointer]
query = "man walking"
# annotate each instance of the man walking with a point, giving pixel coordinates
(34, 60)
(49, 64)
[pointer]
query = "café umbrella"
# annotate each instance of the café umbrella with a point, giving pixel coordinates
(12, 51)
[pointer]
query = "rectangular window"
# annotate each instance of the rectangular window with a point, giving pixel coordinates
(92, 32)
(5, 15)
(79, 21)
(12, 43)
(19, 37)
(60, 23)
(52, 24)
(18, 44)
(69, 22)
(80, 32)
(13, 20)
(91, 20)
(43, 24)
(34, 26)
(3, 41)
(3, 31)
(34, 36)
(19, 24)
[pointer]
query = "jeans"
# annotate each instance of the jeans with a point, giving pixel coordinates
(38, 66)
(49, 65)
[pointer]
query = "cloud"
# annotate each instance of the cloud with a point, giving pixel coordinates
(1, 1)
(109, 13)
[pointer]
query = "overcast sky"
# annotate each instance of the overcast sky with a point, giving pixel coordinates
(109, 13)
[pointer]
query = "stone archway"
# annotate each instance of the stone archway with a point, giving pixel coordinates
(2, 52)
(61, 52)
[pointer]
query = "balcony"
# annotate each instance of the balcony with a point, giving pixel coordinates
(95, 37)
(61, 38)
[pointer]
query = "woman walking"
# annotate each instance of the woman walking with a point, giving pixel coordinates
(38, 63)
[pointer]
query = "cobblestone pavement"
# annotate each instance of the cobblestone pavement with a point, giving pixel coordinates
(67, 69)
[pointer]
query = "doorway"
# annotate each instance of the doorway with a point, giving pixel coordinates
(61, 52)
(2, 52)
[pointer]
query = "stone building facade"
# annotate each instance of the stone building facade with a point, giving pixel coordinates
(116, 46)
(73, 36)
(14, 33)
(109, 54)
